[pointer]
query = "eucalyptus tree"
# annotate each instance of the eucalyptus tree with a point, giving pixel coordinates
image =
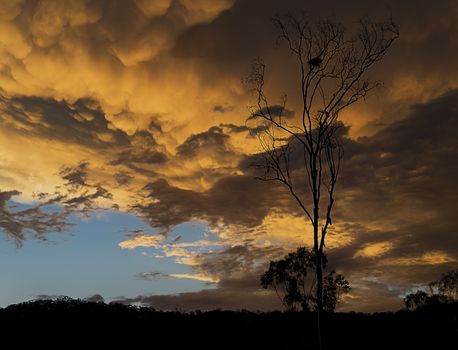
(304, 152)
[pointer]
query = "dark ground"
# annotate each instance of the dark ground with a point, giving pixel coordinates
(67, 323)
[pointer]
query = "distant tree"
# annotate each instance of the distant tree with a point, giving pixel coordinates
(294, 281)
(303, 151)
(447, 286)
(415, 300)
(334, 287)
(443, 291)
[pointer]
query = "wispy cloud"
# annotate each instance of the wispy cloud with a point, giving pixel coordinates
(142, 241)
(435, 257)
(198, 277)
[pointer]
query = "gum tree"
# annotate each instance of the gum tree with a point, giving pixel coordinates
(304, 152)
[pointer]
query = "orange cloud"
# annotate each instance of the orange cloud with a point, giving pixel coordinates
(142, 241)
(434, 257)
(374, 250)
(198, 277)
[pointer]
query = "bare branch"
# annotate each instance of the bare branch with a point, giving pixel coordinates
(332, 77)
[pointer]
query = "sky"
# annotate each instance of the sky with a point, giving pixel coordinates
(125, 157)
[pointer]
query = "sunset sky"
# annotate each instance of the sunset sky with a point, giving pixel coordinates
(125, 157)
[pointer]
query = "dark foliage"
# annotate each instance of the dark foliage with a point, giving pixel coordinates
(447, 286)
(443, 291)
(294, 280)
(75, 324)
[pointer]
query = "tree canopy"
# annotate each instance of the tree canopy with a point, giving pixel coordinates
(445, 290)
(293, 279)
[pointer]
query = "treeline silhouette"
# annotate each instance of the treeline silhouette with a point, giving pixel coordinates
(73, 323)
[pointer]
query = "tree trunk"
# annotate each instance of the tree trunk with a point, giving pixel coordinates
(319, 276)
(319, 298)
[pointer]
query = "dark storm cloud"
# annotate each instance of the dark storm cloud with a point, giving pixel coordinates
(236, 200)
(234, 38)
(142, 151)
(239, 293)
(219, 42)
(79, 193)
(123, 179)
(417, 67)
(141, 155)
(34, 220)
(386, 176)
(86, 202)
(235, 260)
(213, 140)
(402, 179)
(75, 176)
(82, 122)
(148, 157)
(407, 173)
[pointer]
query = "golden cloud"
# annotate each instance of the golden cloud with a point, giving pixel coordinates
(434, 257)
(145, 241)
(374, 250)
(150, 93)
(198, 277)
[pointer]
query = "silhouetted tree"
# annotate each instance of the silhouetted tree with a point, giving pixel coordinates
(447, 286)
(443, 291)
(415, 300)
(78, 324)
(332, 70)
(296, 287)
(334, 287)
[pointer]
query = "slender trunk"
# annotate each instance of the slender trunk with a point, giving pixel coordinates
(319, 298)
(316, 245)
(319, 278)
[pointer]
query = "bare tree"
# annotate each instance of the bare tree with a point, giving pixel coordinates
(332, 77)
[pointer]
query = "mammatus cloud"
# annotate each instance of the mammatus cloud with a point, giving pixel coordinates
(386, 206)
(114, 52)
(138, 105)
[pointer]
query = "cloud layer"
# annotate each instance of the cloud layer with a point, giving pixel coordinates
(138, 106)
